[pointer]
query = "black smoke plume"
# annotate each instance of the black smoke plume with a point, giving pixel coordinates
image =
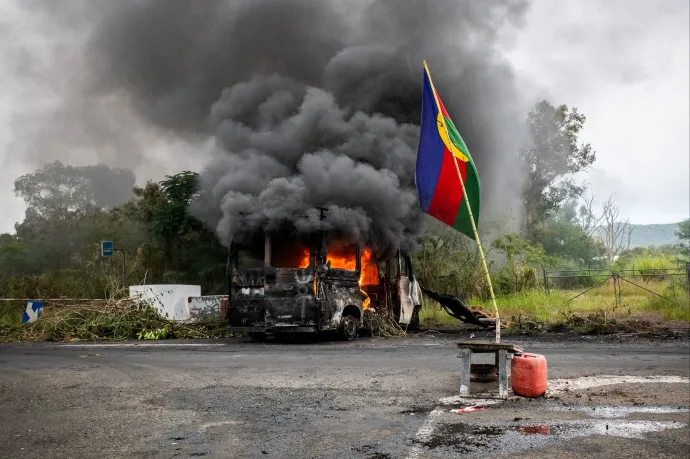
(314, 103)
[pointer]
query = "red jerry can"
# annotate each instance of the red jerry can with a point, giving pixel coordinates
(529, 375)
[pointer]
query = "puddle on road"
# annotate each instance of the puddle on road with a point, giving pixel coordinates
(609, 411)
(533, 430)
(367, 449)
(468, 438)
(418, 410)
(463, 437)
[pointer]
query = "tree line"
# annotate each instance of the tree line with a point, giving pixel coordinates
(55, 250)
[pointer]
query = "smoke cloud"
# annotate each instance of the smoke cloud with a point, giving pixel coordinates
(309, 104)
(286, 149)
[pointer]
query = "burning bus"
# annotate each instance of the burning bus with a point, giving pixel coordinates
(314, 283)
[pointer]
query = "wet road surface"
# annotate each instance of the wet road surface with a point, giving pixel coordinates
(375, 398)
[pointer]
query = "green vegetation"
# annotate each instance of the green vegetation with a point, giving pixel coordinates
(683, 233)
(644, 273)
(448, 263)
(534, 305)
(54, 252)
(110, 320)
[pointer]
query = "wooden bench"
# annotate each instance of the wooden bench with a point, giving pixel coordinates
(502, 352)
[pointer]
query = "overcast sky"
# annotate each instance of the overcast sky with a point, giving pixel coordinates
(623, 63)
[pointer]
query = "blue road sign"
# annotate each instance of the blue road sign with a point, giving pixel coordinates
(107, 248)
(32, 311)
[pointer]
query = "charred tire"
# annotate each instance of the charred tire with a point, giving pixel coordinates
(414, 321)
(258, 336)
(348, 328)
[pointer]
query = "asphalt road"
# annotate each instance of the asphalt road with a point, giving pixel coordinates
(375, 398)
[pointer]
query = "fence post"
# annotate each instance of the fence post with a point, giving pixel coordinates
(546, 280)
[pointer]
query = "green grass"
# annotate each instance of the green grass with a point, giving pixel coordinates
(432, 315)
(537, 305)
(11, 313)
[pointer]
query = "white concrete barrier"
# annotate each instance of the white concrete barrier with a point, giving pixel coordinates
(171, 300)
(204, 307)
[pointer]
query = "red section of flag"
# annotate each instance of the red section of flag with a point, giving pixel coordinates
(448, 196)
(440, 104)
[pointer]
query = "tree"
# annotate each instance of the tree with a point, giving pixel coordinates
(179, 248)
(614, 232)
(550, 157)
(568, 235)
(588, 219)
(68, 213)
(683, 230)
(57, 190)
(522, 258)
(55, 251)
(683, 233)
(173, 219)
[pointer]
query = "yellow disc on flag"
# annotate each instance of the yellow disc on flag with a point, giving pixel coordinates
(443, 131)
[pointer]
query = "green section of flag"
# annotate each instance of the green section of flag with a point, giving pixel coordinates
(471, 178)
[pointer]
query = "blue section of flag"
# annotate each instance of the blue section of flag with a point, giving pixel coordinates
(32, 311)
(431, 148)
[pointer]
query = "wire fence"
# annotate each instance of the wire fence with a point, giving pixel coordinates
(589, 279)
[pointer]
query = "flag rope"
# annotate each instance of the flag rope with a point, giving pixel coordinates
(474, 226)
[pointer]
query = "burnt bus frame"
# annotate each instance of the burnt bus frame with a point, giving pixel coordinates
(342, 278)
(390, 301)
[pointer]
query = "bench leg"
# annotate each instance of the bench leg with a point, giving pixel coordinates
(502, 373)
(466, 355)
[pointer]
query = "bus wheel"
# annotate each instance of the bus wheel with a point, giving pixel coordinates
(414, 321)
(348, 328)
(258, 336)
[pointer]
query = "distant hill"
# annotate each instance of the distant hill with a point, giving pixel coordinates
(646, 235)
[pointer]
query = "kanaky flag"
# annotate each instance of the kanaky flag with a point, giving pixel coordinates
(436, 176)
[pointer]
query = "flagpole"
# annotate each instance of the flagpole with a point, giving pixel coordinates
(474, 226)
(479, 246)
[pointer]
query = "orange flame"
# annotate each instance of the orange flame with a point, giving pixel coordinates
(290, 255)
(366, 301)
(370, 270)
(304, 260)
(339, 258)
(368, 276)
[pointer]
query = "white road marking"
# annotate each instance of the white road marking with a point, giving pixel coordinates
(613, 412)
(458, 400)
(209, 425)
(144, 345)
(558, 386)
(424, 433)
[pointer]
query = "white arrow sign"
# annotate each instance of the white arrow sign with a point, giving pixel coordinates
(31, 314)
